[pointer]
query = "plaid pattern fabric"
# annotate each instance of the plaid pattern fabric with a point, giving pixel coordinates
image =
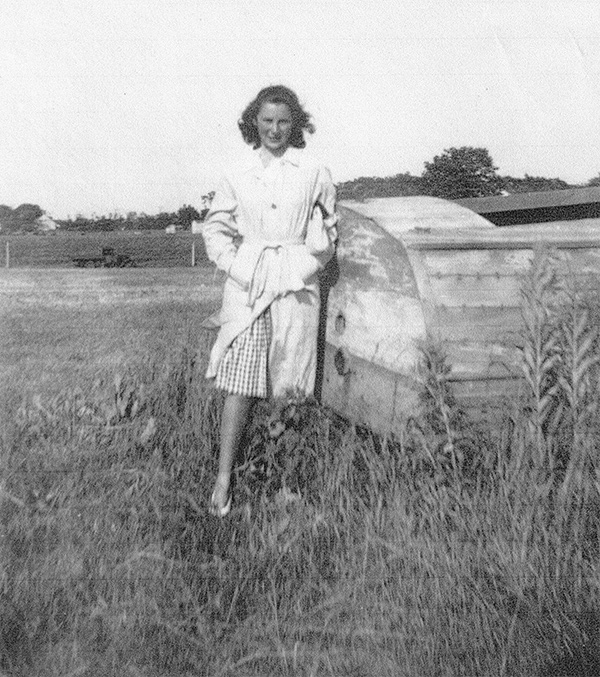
(244, 367)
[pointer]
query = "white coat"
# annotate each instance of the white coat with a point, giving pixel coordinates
(272, 230)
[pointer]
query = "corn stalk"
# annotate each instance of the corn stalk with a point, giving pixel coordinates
(540, 350)
(578, 338)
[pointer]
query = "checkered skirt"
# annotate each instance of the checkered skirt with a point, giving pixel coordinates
(243, 369)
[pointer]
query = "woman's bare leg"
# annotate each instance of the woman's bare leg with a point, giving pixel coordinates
(236, 412)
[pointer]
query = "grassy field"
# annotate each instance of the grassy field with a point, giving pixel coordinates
(148, 248)
(458, 549)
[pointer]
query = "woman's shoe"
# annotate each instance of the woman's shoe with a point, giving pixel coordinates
(219, 510)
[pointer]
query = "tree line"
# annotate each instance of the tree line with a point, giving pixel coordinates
(133, 221)
(456, 173)
(23, 219)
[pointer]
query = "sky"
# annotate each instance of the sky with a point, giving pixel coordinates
(132, 105)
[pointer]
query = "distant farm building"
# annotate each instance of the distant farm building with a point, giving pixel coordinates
(45, 224)
(573, 204)
(174, 228)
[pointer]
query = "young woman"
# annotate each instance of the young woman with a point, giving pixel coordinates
(272, 228)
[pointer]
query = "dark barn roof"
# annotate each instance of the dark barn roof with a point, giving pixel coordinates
(537, 207)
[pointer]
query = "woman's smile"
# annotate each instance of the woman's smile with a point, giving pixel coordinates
(274, 124)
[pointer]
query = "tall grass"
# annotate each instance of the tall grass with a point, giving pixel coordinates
(460, 548)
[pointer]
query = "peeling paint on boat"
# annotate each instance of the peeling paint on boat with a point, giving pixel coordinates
(418, 267)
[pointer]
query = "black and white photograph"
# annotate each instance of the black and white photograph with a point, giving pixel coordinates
(300, 338)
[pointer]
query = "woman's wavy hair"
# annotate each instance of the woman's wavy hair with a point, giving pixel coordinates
(276, 94)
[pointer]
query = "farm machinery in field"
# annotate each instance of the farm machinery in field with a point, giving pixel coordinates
(108, 259)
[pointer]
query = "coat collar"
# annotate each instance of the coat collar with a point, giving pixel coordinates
(292, 156)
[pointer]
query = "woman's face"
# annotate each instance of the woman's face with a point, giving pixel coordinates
(274, 123)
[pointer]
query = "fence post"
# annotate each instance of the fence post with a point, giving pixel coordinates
(7, 254)
(193, 253)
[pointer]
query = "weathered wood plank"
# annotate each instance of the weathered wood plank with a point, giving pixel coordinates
(483, 323)
(482, 360)
(482, 263)
(380, 327)
(466, 290)
(584, 234)
(397, 215)
(479, 263)
(370, 258)
(367, 393)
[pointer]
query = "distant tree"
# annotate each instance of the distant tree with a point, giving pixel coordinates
(132, 221)
(595, 181)
(187, 214)
(28, 213)
(5, 216)
(530, 184)
(399, 185)
(106, 223)
(461, 172)
(22, 219)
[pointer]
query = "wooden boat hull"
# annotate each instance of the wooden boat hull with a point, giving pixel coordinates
(412, 269)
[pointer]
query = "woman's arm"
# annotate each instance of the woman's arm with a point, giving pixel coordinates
(219, 231)
(224, 244)
(321, 235)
